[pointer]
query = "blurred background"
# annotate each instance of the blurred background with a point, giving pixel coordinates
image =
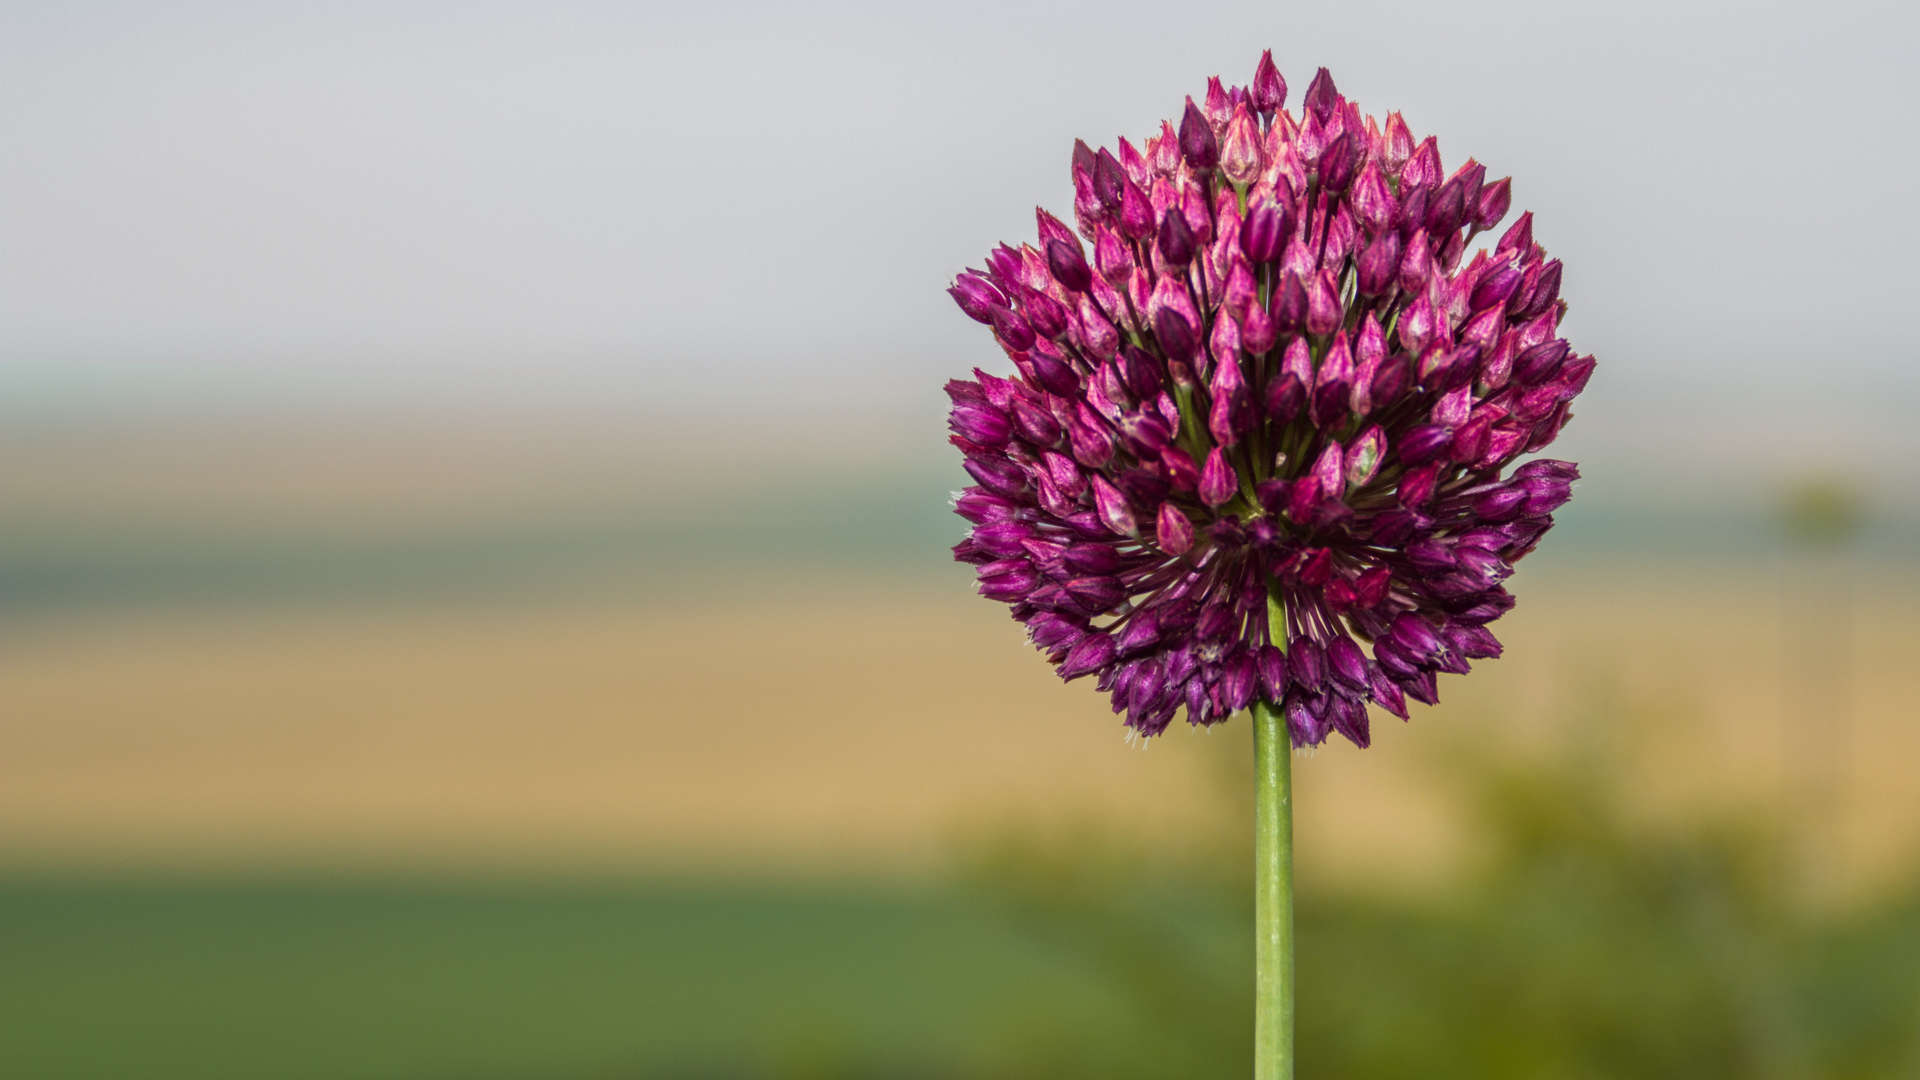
(474, 598)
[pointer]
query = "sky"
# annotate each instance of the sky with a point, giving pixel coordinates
(756, 207)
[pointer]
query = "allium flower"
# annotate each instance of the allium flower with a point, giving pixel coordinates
(1273, 376)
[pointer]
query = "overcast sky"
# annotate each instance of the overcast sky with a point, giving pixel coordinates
(767, 199)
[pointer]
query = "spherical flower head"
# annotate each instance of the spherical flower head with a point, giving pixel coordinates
(1265, 442)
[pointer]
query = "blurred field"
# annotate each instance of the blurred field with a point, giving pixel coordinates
(459, 751)
(859, 723)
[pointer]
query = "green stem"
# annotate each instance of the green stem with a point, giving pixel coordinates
(1272, 894)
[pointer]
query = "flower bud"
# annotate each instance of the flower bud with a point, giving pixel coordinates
(1492, 204)
(1290, 305)
(1323, 305)
(1337, 162)
(1197, 143)
(1378, 264)
(1068, 264)
(1175, 334)
(1112, 506)
(1321, 97)
(1176, 239)
(1136, 212)
(1218, 484)
(1265, 232)
(1519, 235)
(1173, 530)
(1269, 91)
(1240, 153)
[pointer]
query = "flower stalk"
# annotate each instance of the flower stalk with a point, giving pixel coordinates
(1272, 895)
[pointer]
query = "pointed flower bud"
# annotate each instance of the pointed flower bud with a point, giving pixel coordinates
(1197, 143)
(1321, 97)
(1176, 239)
(1174, 531)
(1269, 90)
(1217, 482)
(1241, 157)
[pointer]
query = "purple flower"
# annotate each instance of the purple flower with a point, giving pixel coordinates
(1279, 392)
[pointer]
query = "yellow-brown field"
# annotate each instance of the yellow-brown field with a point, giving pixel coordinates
(872, 725)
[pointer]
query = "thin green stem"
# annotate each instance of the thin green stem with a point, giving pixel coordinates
(1272, 889)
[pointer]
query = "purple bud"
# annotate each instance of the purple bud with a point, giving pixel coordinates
(1412, 633)
(1290, 305)
(1447, 209)
(1005, 538)
(1473, 642)
(1045, 315)
(1492, 204)
(1304, 726)
(1109, 180)
(1285, 397)
(1197, 143)
(1092, 653)
(1272, 666)
(1175, 333)
(1050, 373)
(1069, 265)
(1377, 264)
(1230, 417)
(1422, 169)
(1011, 329)
(1258, 335)
(1349, 718)
(1519, 235)
(1173, 530)
(1321, 97)
(1365, 455)
(1111, 257)
(1092, 558)
(1216, 621)
(998, 475)
(1269, 89)
(1323, 305)
(980, 507)
(977, 297)
(1416, 485)
(1423, 444)
(1499, 504)
(1136, 212)
(1336, 163)
(1494, 290)
(981, 424)
(1238, 678)
(1347, 663)
(1241, 156)
(1113, 508)
(1265, 232)
(1537, 364)
(1176, 239)
(1218, 484)
(1090, 443)
(1307, 662)
(1372, 203)
(1545, 291)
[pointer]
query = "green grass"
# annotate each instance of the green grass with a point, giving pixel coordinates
(117, 978)
(1576, 967)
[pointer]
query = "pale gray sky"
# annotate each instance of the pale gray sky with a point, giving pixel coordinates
(688, 202)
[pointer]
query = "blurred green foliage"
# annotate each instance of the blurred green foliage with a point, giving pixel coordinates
(1586, 945)
(1822, 511)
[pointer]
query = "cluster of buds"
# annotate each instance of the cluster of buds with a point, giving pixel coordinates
(1257, 445)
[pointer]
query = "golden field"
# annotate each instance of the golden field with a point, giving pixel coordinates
(870, 724)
